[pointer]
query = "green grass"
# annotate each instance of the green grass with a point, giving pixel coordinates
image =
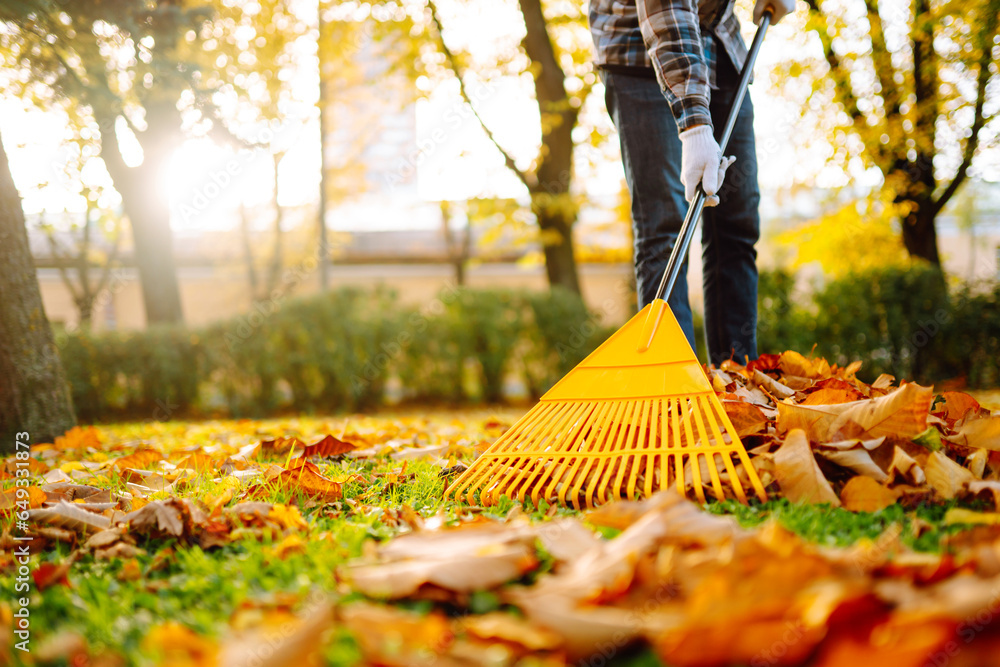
(202, 589)
(834, 526)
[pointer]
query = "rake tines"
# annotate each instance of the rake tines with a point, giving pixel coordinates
(611, 429)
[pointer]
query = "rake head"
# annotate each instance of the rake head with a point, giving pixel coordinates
(636, 416)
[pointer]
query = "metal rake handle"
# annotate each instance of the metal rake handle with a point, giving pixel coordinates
(683, 242)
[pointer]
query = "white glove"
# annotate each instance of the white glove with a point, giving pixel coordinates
(779, 9)
(702, 162)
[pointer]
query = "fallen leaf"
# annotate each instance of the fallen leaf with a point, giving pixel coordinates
(509, 628)
(955, 406)
(299, 645)
(157, 518)
(175, 644)
(947, 477)
(29, 497)
(198, 461)
(864, 494)
(747, 418)
(906, 467)
(139, 460)
(992, 486)
(328, 446)
(857, 459)
(771, 385)
(281, 445)
(395, 637)
(793, 363)
(463, 559)
(798, 475)
(981, 433)
(305, 477)
(69, 516)
(958, 515)
(900, 413)
(832, 391)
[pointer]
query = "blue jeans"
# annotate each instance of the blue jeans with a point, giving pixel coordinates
(651, 153)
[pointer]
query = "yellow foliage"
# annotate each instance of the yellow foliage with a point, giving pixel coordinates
(855, 237)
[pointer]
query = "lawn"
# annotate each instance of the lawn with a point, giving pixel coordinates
(267, 542)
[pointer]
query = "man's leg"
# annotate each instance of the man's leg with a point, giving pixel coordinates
(730, 231)
(651, 154)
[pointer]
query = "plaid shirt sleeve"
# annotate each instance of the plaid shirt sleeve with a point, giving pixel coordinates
(673, 40)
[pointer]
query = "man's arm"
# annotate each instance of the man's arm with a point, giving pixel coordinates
(673, 40)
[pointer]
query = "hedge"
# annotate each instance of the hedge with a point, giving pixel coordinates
(342, 350)
(334, 352)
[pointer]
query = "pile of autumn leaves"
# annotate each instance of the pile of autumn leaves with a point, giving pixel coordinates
(697, 588)
(827, 437)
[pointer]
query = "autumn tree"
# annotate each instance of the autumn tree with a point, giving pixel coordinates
(910, 89)
(555, 52)
(34, 396)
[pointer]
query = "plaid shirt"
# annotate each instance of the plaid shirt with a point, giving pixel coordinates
(675, 39)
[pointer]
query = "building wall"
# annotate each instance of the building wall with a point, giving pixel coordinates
(209, 294)
(212, 294)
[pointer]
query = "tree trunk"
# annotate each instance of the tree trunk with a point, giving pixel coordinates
(34, 397)
(557, 242)
(551, 201)
(147, 208)
(920, 235)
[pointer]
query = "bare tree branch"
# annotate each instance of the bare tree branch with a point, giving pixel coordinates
(457, 69)
(978, 120)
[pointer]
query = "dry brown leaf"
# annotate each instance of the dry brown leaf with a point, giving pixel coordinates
(397, 638)
(902, 413)
(946, 477)
(141, 459)
(747, 418)
(832, 391)
(280, 445)
(774, 387)
(304, 476)
(981, 433)
(30, 497)
(864, 494)
(198, 461)
(328, 446)
(798, 475)
(906, 467)
(976, 462)
(993, 487)
(299, 645)
(857, 459)
(463, 559)
(69, 516)
(508, 628)
(955, 406)
(157, 518)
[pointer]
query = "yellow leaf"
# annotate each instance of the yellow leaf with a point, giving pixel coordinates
(982, 433)
(798, 475)
(947, 477)
(178, 646)
(288, 517)
(292, 544)
(961, 515)
(864, 494)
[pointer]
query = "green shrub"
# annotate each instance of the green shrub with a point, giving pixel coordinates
(561, 333)
(894, 320)
(973, 337)
(336, 351)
